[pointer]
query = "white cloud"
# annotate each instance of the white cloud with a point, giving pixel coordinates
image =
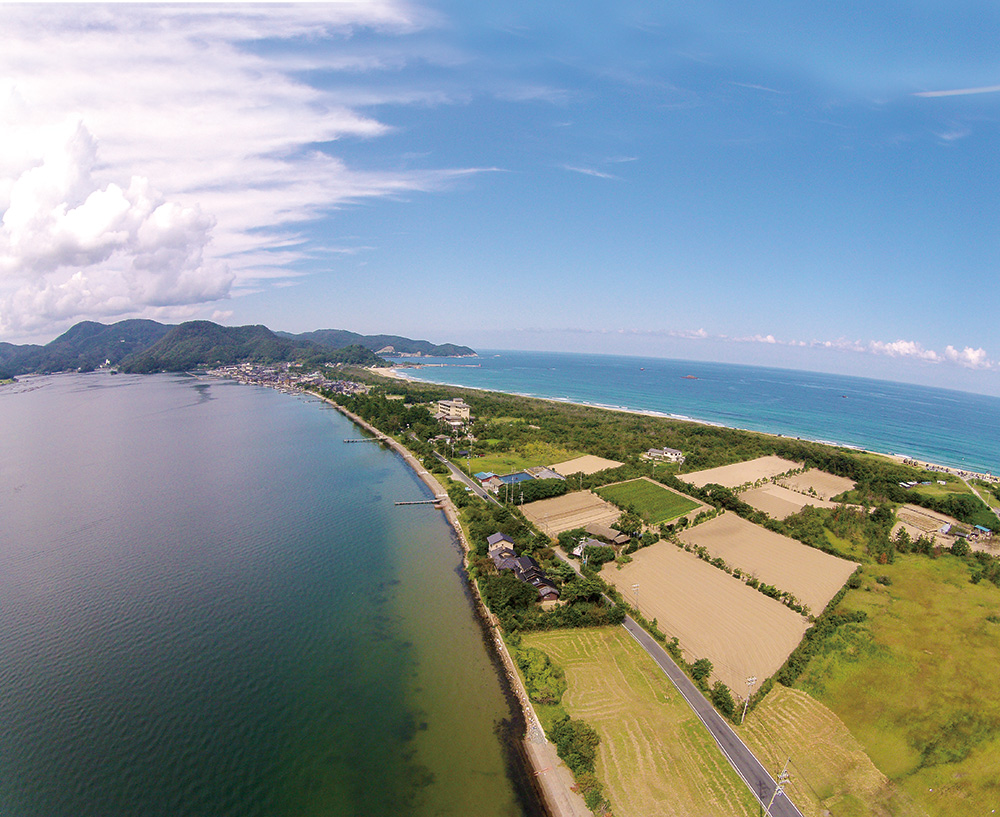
(903, 348)
(969, 358)
(150, 160)
(587, 171)
(985, 89)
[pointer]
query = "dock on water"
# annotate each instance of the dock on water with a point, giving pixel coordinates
(434, 501)
(365, 440)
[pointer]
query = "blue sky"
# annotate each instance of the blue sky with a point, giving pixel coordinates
(756, 182)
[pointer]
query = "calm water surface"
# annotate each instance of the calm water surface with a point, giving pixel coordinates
(210, 606)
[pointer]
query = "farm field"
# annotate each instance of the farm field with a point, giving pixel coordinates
(654, 758)
(714, 616)
(915, 682)
(779, 502)
(574, 510)
(509, 461)
(740, 473)
(587, 464)
(825, 486)
(812, 576)
(917, 521)
(653, 502)
(830, 772)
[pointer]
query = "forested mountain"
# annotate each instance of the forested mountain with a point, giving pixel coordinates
(148, 346)
(203, 343)
(85, 346)
(338, 338)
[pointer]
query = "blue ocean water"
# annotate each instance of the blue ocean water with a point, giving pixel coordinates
(946, 427)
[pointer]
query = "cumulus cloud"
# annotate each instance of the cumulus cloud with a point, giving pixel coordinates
(904, 348)
(151, 159)
(969, 358)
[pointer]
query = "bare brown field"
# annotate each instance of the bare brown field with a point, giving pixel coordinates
(814, 577)
(778, 502)
(830, 772)
(740, 473)
(588, 464)
(923, 519)
(574, 510)
(826, 486)
(654, 759)
(742, 632)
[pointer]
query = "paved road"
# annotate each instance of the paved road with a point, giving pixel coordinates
(739, 756)
(460, 475)
(742, 759)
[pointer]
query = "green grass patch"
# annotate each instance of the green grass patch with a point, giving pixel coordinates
(654, 503)
(915, 683)
(531, 455)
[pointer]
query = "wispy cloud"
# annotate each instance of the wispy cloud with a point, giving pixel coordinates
(174, 189)
(985, 89)
(589, 171)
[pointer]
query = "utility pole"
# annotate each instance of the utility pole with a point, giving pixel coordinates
(780, 788)
(750, 682)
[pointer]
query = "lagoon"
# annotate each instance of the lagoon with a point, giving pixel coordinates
(210, 606)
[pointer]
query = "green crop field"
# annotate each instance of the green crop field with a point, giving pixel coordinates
(654, 503)
(916, 682)
(655, 758)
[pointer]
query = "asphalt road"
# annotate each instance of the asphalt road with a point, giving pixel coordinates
(461, 476)
(741, 758)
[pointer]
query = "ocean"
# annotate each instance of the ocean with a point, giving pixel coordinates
(945, 427)
(210, 606)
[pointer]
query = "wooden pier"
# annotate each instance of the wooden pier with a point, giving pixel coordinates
(365, 440)
(434, 501)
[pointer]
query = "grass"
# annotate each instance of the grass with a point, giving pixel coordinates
(654, 503)
(655, 758)
(916, 682)
(830, 772)
(533, 454)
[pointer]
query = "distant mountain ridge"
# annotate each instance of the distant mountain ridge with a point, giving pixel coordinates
(148, 346)
(338, 338)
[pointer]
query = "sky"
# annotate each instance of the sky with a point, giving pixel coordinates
(764, 183)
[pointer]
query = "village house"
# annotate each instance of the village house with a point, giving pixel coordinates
(501, 551)
(665, 455)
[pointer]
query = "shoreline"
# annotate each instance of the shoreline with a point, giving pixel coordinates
(545, 773)
(394, 374)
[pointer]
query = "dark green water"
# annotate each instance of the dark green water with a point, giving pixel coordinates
(210, 606)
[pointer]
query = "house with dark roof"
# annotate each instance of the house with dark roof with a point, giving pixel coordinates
(525, 568)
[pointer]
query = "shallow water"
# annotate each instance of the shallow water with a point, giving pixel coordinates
(210, 606)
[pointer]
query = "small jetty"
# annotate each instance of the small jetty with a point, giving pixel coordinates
(365, 440)
(435, 501)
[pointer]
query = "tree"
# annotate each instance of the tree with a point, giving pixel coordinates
(629, 523)
(723, 699)
(701, 670)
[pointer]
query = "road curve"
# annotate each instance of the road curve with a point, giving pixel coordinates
(742, 759)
